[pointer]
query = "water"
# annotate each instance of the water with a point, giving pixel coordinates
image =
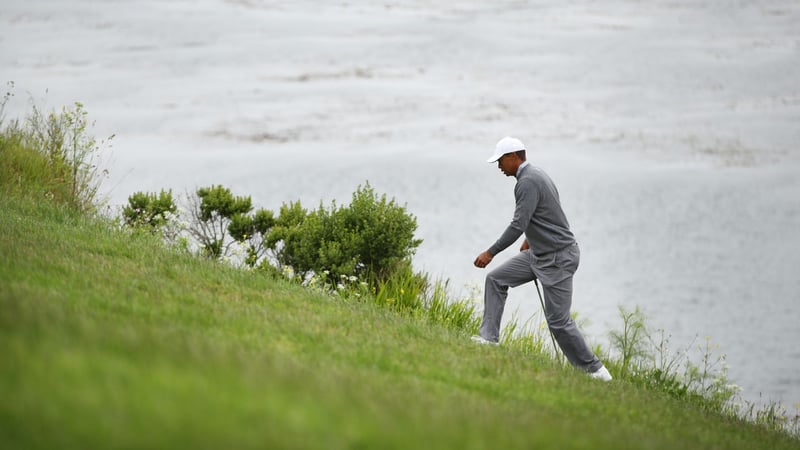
(670, 128)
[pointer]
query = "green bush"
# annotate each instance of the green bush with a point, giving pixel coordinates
(251, 231)
(149, 210)
(212, 212)
(370, 238)
(224, 224)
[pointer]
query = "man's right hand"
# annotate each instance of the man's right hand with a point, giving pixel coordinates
(525, 246)
(483, 259)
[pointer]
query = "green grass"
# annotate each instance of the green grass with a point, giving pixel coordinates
(110, 340)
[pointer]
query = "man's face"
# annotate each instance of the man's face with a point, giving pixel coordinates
(508, 164)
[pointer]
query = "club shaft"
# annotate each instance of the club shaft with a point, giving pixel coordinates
(544, 311)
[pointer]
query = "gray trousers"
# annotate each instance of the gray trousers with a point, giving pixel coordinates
(555, 271)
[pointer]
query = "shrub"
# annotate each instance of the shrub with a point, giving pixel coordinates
(370, 238)
(252, 231)
(219, 220)
(149, 210)
(292, 248)
(212, 212)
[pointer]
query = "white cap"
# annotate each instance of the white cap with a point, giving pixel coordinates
(506, 145)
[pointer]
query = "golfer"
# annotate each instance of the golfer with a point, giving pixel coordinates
(549, 254)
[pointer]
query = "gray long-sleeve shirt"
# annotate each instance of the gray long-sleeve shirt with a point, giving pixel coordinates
(538, 214)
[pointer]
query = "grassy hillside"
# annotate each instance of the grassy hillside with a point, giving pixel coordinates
(109, 340)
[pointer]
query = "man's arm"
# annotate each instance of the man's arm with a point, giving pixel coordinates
(509, 236)
(486, 257)
(527, 198)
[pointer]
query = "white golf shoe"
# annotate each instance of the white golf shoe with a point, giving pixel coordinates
(601, 374)
(482, 341)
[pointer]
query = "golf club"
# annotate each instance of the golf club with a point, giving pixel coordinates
(544, 311)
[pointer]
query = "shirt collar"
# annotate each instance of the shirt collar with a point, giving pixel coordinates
(521, 166)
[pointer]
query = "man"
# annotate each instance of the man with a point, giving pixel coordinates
(549, 254)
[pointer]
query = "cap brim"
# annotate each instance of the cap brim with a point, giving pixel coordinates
(494, 158)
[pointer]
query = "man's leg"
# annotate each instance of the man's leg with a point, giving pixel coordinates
(512, 273)
(557, 302)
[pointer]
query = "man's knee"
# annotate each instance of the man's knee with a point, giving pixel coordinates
(495, 279)
(559, 322)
